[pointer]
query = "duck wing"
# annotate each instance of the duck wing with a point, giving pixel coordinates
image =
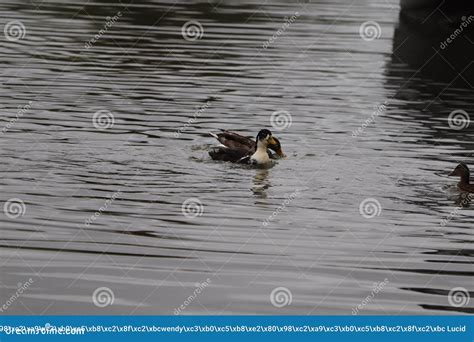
(235, 141)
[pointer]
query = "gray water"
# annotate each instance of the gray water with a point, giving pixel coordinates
(103, 207)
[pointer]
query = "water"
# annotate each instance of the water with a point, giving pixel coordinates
(103, 207)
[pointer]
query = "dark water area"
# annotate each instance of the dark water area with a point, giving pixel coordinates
(107, 187)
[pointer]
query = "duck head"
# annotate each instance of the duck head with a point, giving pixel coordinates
(265, 138)
(462, 171)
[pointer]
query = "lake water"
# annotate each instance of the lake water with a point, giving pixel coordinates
(109, 193)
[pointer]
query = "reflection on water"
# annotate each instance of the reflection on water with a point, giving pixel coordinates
(464, 200)
(261, 183)
(421, 41)
(103, 200)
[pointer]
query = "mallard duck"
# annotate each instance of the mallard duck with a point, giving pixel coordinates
(239, 149)
(463, 171)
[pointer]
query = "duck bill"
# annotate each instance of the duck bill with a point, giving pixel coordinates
(271, 141)
(452, 174)
(280, 153)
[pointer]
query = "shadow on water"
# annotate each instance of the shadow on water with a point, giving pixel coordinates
(421, 41)
(441, 293)
(431, 78)
(440, 77)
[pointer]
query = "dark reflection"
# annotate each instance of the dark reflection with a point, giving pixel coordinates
(423, 40)
(72, 250)
(429, 79)
(446, 308)
(466, 253)
(261, 183)
(433, 78)
(423, 271)
(152, 234)
(445, 293)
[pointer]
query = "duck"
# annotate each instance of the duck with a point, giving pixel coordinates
(240, 149)
(463, 171)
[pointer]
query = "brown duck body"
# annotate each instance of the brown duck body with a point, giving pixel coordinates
(463, 171)
(238, 148)
(236, 141)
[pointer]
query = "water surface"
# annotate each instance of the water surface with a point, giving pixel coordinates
(103, 207)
